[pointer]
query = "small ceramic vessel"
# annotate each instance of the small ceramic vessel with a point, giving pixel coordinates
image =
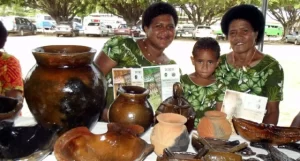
(178, 104)
(132, 107)
(170, 132)
(214, 125)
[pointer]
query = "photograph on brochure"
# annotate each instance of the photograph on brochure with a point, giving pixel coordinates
(126, 76)
(158, 79)
(244, 105)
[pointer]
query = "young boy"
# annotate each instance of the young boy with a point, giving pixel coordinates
(200, 87)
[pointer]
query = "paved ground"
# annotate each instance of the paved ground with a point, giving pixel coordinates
(180, 50)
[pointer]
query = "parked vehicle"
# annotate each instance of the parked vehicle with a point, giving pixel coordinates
(203, 31)
(96, 29)
(45, 25)
(19, 25)
(273, 30)
(217, 31)
(67, 28)
(110, 29)
(123, 29)
(185, 30)
(293, 38)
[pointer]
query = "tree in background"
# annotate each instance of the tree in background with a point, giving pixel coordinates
(59, 10)
(287, 12)
(204, 12)
(129, 10)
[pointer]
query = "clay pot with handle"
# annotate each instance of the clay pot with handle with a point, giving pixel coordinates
(178, 104)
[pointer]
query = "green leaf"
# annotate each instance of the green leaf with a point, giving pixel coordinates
(244, 87)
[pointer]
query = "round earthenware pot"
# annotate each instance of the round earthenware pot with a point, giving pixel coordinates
(132, 107)
(214, 125)
(64, 87)
(170, 132)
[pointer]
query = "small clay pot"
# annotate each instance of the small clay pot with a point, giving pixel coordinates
(132, 107)
(214, 125)
(170, 132)
(9, 108)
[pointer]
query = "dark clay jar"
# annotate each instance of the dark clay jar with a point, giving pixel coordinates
(132, 107)
(64, 87)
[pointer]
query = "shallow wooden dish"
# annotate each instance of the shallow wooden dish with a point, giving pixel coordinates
(256, 132)
(119, 143)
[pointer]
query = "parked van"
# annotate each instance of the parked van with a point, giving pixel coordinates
(19, 25)
(273, 30)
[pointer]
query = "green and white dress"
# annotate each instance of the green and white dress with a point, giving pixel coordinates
(126, 52)
(202, 98)
(264, 79)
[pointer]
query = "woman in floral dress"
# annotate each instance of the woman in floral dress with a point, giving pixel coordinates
(11, 83)
(159, 21)
(245, 69)
(201, 89)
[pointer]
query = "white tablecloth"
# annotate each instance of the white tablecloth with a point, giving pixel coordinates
(101, 128)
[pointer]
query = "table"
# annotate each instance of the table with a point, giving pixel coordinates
(101, 127)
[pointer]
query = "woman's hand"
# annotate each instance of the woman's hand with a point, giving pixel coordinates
(272, 114)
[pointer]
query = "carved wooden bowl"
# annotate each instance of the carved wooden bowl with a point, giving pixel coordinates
(119, 143)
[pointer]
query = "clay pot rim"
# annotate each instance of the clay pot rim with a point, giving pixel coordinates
(38, 50)
(177, 119)
(215, 114)
(122, 91)
(13, 112)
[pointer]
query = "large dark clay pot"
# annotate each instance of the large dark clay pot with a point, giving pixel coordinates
(132, 107)
(64, 87)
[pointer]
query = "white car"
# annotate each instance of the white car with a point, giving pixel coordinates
(203, 31)
(110, 29)
(96, 28)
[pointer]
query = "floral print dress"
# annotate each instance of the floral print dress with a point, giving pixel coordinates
(264, 79)
(10, 73)
(126, 52)
(202, 98)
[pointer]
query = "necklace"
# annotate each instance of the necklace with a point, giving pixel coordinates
(247, 65)
(148, 54)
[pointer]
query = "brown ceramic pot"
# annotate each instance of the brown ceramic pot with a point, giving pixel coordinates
(214, 125)
(9, 108)
(178, 104)
(119, 143)
(132, 107)
(170, 132)
(64, 87)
